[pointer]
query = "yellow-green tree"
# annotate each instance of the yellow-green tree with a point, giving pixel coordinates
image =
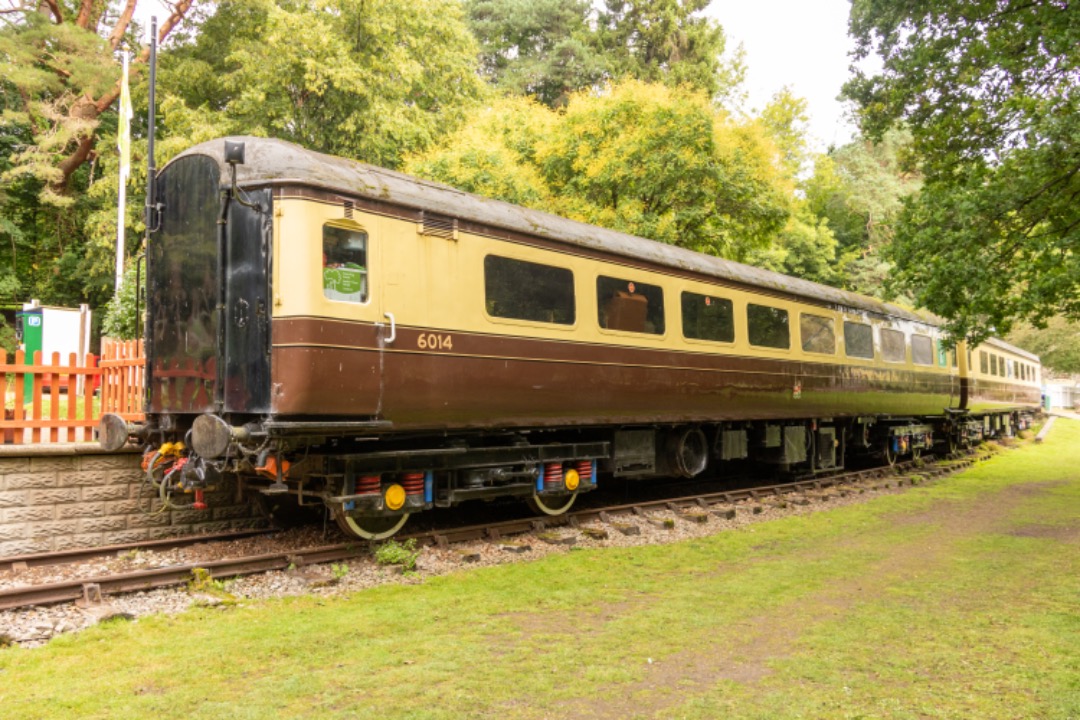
(655, 161)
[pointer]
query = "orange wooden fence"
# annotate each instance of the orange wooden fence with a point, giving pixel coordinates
(58, 404)
(123, 378)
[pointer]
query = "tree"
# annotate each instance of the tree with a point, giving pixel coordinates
(1057, 344)
(370, 79)
(541, 48)
(991, 94)
(859, 190)
(670, 42)
(786, 119)
(548, 49)
(805, 248)
(659, 162)
(494, 155)
(60, 76)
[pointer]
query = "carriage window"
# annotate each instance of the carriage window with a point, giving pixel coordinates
(631, 306)
(344, 264)
(858, 340)
(817, 334)
(523, 290)
(1010, 366)
(892, 345)
(993, 364)
(707, 318)
(768, 326)
(922, 350)
(984, 363)
(1001, 365)
(942, 354)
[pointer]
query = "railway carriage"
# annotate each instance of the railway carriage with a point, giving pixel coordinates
(384, 345)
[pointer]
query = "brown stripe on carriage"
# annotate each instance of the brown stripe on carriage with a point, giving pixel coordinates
(332, 367)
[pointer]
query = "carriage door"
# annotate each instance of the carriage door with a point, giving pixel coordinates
(246, 309)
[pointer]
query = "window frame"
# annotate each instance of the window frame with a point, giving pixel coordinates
(637, 284)
(553, 324)
(353, 228)
(683, 296)
(847, 345)
(930, 350)
(787, 325)
(832, 332)
(904, 345)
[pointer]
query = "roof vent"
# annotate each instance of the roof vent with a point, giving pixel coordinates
(442, 226)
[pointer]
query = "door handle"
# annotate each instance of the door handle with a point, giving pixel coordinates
(393, 329)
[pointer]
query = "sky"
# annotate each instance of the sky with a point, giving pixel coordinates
(802, 44)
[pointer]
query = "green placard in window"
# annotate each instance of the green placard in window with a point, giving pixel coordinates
(346, 280)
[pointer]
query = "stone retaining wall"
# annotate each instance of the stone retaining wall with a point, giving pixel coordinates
(74, 496)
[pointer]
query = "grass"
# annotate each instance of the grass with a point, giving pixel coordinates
(954, 600)
(62, 402)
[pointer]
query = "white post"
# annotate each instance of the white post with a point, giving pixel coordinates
(120, 212)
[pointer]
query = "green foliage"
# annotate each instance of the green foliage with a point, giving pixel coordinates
(8, 342)
(549, 49)
(1057, 344)
(786, 119)
(545, 49)
(393, 552)
(658, 162)
(369, 80)
(203, 582)
(120, 317)
(670, 42)
(494, 154)
(55, 69)
(990, 94)
(805, 248)
(858, 189)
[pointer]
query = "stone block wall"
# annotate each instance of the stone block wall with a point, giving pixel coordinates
(76, 496)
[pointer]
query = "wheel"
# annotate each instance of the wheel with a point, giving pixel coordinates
(551, 507)
(890, 456)
(370, 528)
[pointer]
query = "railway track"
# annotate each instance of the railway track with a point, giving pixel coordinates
(17, 563)
(693, 508)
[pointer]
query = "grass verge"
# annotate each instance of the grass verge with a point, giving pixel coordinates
(956, 600)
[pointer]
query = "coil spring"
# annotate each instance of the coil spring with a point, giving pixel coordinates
(413, 483)
(584, 470)
(553, 475)
(368, 485)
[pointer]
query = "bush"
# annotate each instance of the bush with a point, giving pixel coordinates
(119, 319)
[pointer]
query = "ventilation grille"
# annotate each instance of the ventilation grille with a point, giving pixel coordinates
(348, 209)
(442, 226)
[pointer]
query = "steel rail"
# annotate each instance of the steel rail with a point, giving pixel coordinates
(14, 563)
(67, 591)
